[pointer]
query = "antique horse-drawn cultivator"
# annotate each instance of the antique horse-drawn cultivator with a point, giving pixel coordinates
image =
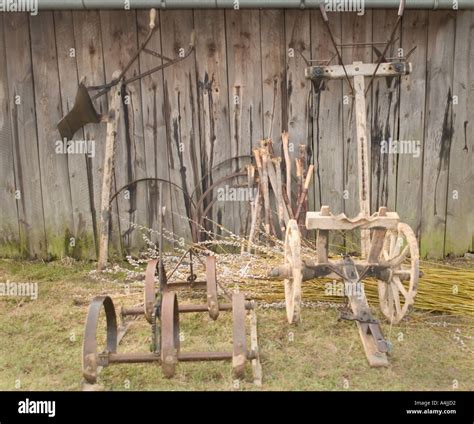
(389, 248)
(160, 308)
(162, 311)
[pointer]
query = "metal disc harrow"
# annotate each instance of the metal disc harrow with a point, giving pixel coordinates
(162, 310)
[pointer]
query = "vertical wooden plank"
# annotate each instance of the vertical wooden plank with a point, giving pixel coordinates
(460, 212)
(412, 118)
(244, 73)
(57, 201)
(275, 120)
(24, 135)
(154, 126)
(9, 231)
(90, 65)
(328, 137)
(213, 100)
(83, 234)
(120, 43)
(298, 39)
(182, 124)
(355, 29)
(385, 114)
(273, 61)
(438, 131)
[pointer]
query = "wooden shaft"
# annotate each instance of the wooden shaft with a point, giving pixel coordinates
(304, 192)
(104, 223)
(322, 240)
(251, 204)
(287, 203)
(286, 152)
(362, 157)
(377, 241)
(281, 207)
(255, 214)
(266, 196)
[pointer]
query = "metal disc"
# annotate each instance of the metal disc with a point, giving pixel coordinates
(169, 333)
(89, 348)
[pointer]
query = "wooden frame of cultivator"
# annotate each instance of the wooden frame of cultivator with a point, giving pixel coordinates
(392, 244)
(386, 243)
(162, 310)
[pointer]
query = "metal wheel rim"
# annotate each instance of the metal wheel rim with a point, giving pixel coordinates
(90, 356)
(169, 333)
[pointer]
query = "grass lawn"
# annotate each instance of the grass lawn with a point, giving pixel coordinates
(41, 343)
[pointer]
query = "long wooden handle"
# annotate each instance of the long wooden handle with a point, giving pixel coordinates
(284, 138)
(304, 193)
(308, 177)
(258, 158)
(108, 169)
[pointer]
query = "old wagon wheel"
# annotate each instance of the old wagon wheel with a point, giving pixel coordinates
(294, 264)
(400, 253)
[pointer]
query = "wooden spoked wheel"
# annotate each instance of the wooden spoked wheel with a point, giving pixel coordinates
(294, 264)
(397, 293)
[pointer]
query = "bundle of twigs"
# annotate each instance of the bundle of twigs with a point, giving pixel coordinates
(266, 175)
(442, 287)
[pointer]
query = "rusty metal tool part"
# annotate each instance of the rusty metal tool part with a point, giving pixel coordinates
(90, 356)
(150, 291)
(169, 333)
(339, 57)
(390, 41)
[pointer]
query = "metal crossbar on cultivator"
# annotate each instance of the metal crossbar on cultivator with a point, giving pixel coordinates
(162, 310)
(389, 248)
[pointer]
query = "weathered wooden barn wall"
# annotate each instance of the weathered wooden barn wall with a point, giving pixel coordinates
(244, 82)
